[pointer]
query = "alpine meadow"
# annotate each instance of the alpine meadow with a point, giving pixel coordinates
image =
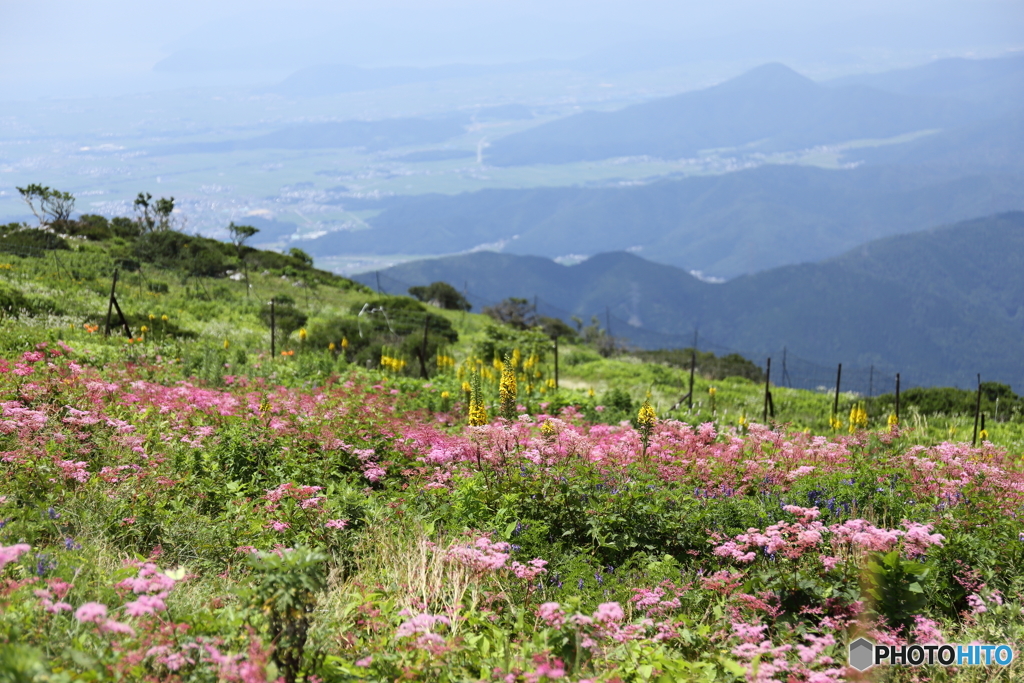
(503, 342)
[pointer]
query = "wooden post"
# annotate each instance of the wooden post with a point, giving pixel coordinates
(693, 367)
(835, 403)
(124, 321)
(423, 348)
(897, 398)
(556, 361)
(767, 379)
(273, 332)
(110, 304)
(977, 414)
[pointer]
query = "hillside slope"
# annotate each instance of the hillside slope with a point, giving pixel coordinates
(938, 305)
(725, 225)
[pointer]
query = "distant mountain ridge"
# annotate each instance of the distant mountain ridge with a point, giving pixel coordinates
(997, 84)
(770, 108)
(939, 305)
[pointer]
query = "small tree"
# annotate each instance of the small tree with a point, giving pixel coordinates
(442, 295)
(297, 253)
(153, 216)
(54, 206)
(239, 234)
(518, 313)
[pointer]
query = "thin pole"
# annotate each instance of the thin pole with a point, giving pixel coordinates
(556, 362)
(693, 367)
(377, 273)
(897, 398)
(785, 371)
(835, 403)
(977, 414)
(767, 379)
(110, 304)
(423, 349)
(273, 331)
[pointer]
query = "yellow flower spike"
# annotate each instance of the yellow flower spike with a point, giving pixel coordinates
(466, 387)
(893, 420)
(590, 392)
(344, 343)
(226, 343)
(547, 430)
(152, 317)
(303, 334)
(144, 329)
(331, 346)
(445, 395)
(645, 421)
(712, 391)
(477, 411)
(507, 390)
(983, 435)
(164, 317)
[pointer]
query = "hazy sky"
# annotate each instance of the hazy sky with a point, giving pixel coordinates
(61, 41)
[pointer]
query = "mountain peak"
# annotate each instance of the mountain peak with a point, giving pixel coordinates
(774, 77)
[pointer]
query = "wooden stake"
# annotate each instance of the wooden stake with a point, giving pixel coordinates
(767, 379)
(835, 403)
(423, 349)
(273, 331)
(897, 398)
(110, 304)
(977, 414)
(556, 362)
(124, 321)
(693, 368)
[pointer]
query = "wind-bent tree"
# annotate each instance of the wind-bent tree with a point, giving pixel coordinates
(239, 234)
(54, 206)
(153, 216)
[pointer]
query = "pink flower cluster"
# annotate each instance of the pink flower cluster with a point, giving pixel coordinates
(152, 586)
(11, 553)
(530, 570)
(793, 540)
(483, 556)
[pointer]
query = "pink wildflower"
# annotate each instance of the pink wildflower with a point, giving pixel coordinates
(336, 523)
(12, 553)
(91, 611)
(608, 613)
(551, 613)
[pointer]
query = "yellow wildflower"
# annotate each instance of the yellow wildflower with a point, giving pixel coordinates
(507, 390)
(226, 343)
(645, 421)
